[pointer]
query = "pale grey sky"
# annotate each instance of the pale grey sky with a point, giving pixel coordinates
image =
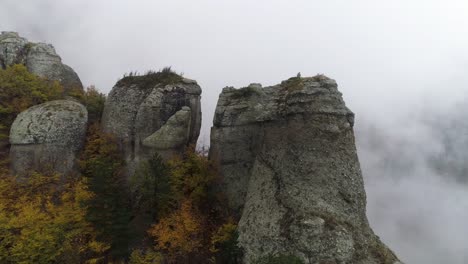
(391, 59)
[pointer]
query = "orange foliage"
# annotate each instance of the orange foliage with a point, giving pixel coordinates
(181, 233)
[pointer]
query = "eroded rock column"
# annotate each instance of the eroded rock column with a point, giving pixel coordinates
(149, 114)
(290, 170)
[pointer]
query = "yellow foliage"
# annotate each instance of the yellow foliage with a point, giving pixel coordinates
(180, 233)
(191, 176)
(191, 232)
(92, 99)
(224, 234)
(145, 257)
(19, 90)
(42, 221)
(101, 149)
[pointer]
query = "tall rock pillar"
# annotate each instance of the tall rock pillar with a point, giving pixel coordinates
(155, 113)
(290, 170)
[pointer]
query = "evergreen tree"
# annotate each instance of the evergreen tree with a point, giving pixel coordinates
(151, 188)
(109, 210)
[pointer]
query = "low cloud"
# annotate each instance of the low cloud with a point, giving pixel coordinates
(398, 63)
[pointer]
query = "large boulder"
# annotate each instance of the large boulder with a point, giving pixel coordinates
(48, 137)
(289, 167)
(154, 113)
(40, 59)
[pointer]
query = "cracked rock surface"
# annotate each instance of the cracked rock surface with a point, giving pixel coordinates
(148, 116)
(48, 137)
(290, 170)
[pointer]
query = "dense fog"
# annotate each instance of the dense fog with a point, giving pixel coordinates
(401, 66)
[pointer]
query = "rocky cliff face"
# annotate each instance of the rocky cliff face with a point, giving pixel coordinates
(47, 137)
(290, 170)
(158, 112)
(40, 59)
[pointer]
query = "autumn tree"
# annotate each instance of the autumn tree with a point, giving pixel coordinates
(191, 232)
(147, 256)
(19, 90)
(192, 176)
(224, 245)
(180, 234)
(102, 164)
(43, 220)
(92, 99)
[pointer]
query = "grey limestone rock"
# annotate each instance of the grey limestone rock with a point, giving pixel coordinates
(148, 116)
(48, 137)
(173, 134)
(290, 170)
(40, 59)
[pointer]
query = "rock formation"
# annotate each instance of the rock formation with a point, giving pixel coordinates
(40, 59)
(47, 137)
(289, 167)
(158, 112)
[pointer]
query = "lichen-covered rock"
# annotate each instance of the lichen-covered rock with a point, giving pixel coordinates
(40, 59)
(154, 113)
(48, 137)
(290, 170)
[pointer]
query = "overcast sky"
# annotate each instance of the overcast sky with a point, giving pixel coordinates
(393, 60)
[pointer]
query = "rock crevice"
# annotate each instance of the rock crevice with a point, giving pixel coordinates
(290, 171)
(154, 113)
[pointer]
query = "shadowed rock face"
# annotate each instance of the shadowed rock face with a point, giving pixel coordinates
(40, 59)
(290, 170)
(48, 137)
(175, 133)
(149, 116)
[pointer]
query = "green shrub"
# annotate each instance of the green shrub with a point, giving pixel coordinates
(225, 245)
(92, 99)
(292, 84)
(94, 102)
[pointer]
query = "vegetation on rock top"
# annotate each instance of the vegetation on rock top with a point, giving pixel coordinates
(244, 92)
(294, 83)
(151, 78)
(297, 83)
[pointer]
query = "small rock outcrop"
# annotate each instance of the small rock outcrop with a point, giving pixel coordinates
(47, 137)
(174, 134)
(155, 113)
(290, 170)
(40, 59)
